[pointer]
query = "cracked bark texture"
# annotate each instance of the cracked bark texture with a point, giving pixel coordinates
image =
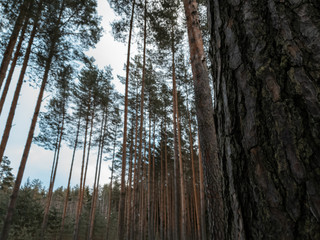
(266, 72)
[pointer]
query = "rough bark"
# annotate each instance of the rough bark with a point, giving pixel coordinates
(122, 202)
(266, 57)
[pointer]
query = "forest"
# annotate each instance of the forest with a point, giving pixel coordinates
(214, 135)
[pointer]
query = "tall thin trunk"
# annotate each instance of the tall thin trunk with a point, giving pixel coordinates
(182, 190)
(52, 180)
(208, 138)
(195, 192)
(75, 231)
(97, 175)
(121, 225)
(110, 191)
(161, 187)
(8, 126)
(14, 196)
(82, 187)
(150, 230)
(13, 64)
(69, 180)
(139, 171)
(91, 218)
(13, 39)
(169, 214)
(175, 174)
(153, 183)
(129, 187)
(202, 197)
(135, 177)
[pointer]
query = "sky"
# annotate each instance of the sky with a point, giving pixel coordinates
(39, 163)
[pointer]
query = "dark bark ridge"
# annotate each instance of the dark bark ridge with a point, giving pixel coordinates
(266, 62)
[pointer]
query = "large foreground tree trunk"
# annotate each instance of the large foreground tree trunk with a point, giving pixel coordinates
(266, 61)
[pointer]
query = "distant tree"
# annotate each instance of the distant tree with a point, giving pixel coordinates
(6, 176)
(28, 215)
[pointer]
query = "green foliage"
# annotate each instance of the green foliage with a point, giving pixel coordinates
(29, 211)
(6, 176)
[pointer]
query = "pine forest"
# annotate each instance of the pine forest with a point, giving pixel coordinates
(211, 131)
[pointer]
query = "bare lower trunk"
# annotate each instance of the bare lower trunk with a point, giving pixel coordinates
(194, 185)
(202, 197)
(129, 205)
(110, 196)
(52, 180)
(69, 180)
(96, 177)
(82, 187)
(75, 231)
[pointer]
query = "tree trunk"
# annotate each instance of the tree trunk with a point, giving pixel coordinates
(16, 95)
(195, 192)
(52, 180)
(138, 217)
(182, 190)
(76, 226)
(13, 64)
(175, 174)
(15, 191)
(96, 176)
(13, 39)
(202, 197)
(83, 186)
(150, 230)
(69, 180)
(121, 225)
(208, 139)
(110, 192)
(268, 112)
(129, 206)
